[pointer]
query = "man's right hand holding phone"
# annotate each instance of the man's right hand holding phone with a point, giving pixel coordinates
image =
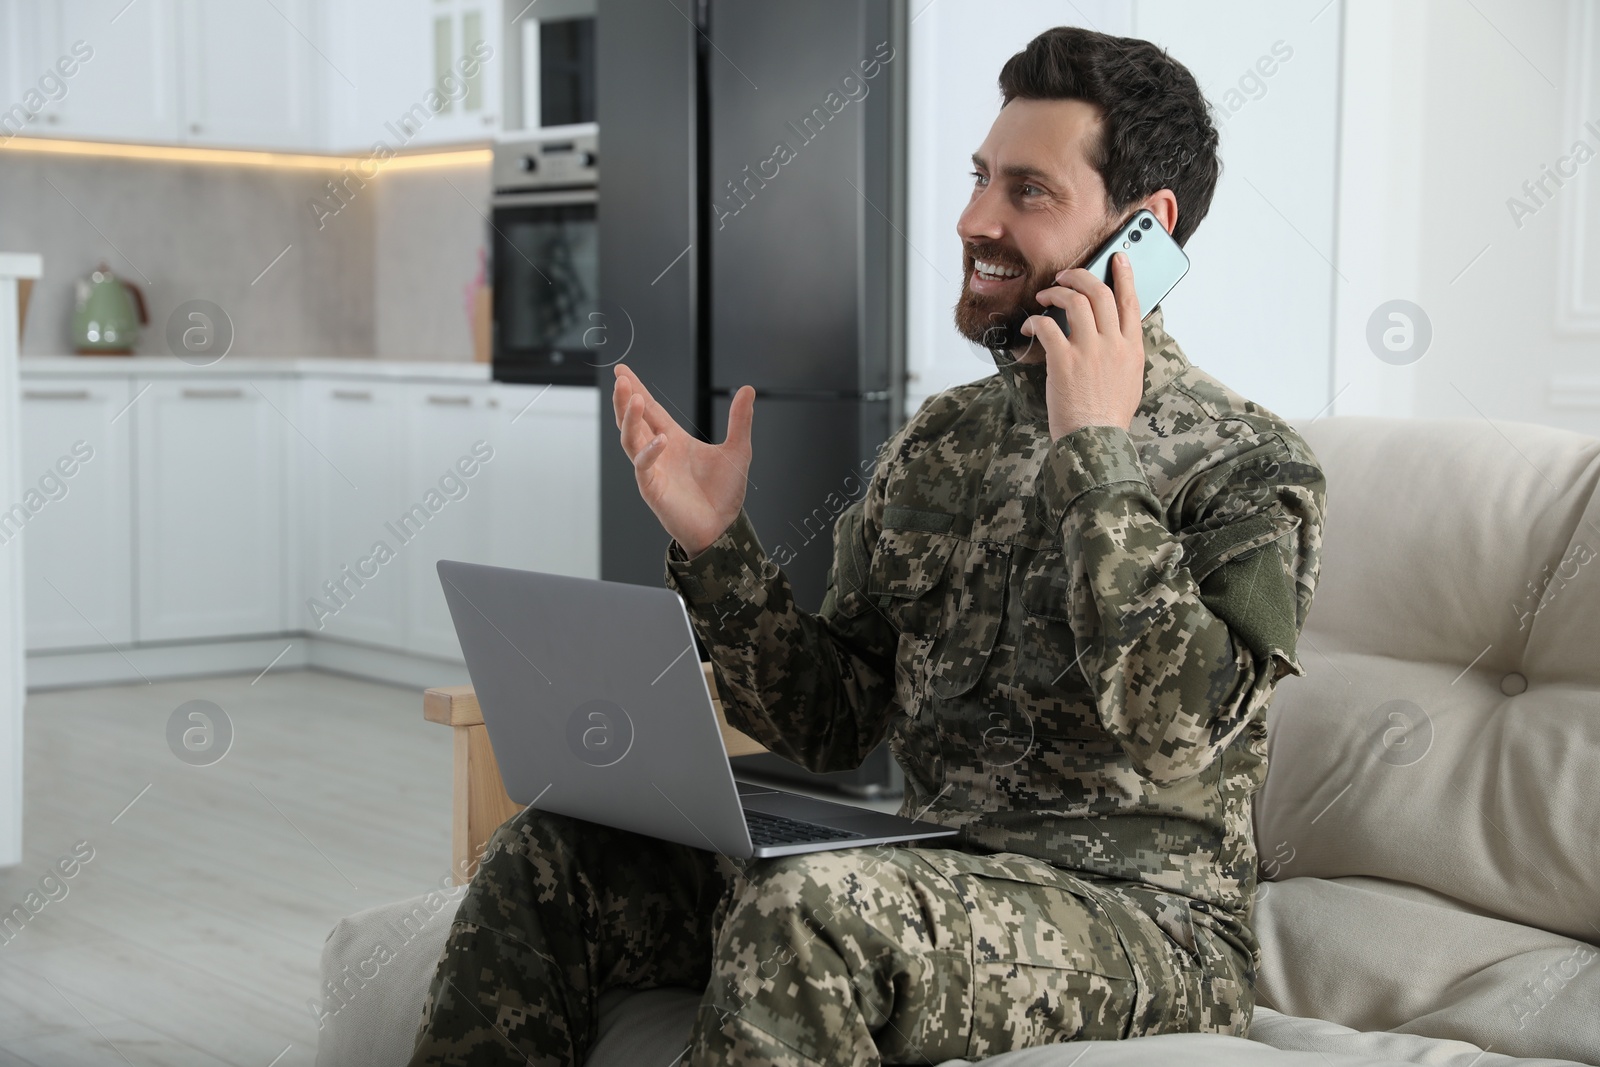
(695, 489)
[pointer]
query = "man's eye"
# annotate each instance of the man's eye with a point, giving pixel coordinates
(977, 178)
(1025, 187)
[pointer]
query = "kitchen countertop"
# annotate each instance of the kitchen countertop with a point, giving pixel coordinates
(252, 367)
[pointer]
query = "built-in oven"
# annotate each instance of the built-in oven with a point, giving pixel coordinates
(549, 325)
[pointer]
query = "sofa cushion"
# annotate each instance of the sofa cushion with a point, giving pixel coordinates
(376, 967)
(650, 1028)
(1447, 731)
(375, 1023)
(1378, 955)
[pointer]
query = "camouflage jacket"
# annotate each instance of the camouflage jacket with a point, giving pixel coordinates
(1069, 645)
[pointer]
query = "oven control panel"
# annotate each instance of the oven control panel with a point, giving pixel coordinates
(547, 162)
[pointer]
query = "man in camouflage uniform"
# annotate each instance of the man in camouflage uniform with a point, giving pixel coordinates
(1065, 599)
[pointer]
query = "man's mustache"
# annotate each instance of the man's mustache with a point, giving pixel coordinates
(999, 258)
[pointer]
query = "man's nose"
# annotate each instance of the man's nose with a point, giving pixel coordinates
(980, 220)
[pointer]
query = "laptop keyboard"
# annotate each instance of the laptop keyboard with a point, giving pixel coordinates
(776, 830)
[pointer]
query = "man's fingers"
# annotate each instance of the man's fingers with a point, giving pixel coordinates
(621, 390)
(636, 433)
(1045, 330)
(1080, 314)
(655, 416)
(646, 457)
(1102, 302)
(1127, 294)
(741, 413)
(628, 425)
(627, 387)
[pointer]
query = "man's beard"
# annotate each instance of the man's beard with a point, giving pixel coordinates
(995, 322)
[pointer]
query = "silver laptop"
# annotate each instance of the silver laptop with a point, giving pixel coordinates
(597, 708)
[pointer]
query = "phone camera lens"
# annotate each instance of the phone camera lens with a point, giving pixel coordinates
(1135, 235)
(1144, 224)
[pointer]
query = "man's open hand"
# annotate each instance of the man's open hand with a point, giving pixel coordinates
(1095, 376)
(696, 489)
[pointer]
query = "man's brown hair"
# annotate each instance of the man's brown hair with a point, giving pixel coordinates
(1157, 131)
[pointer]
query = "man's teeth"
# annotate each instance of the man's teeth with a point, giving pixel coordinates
(993, 271)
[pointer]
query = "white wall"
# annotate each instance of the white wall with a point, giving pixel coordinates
(956, 50)
(1256, 308)
(1380, 198)
(1450, 108)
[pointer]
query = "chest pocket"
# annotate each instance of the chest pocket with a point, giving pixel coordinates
(944, 594)
(907, 566)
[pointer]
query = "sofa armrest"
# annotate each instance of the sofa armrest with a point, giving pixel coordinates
(478, 802)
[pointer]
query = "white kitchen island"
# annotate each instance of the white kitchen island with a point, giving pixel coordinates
(285, 511)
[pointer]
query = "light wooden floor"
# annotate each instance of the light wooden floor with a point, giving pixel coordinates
(193, 934)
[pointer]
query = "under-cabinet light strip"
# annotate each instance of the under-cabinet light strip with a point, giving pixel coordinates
(241, 157)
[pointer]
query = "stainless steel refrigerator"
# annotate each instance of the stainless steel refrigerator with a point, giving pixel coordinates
(751, 214)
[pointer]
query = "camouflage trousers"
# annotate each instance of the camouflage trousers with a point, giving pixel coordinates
(858, 956)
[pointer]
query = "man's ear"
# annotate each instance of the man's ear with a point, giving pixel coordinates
(1163, 204)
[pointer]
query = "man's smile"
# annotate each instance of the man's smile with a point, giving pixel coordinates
(989, 278)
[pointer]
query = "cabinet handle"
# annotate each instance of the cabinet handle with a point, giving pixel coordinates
(212, 394)
(55, 394)
(351, 394)
(452, 400)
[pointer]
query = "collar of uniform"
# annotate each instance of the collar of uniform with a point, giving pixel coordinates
(1024, 382)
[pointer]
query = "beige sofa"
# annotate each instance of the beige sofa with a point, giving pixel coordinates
(1430, 828)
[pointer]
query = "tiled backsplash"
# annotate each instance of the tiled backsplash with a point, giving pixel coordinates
(383, 277)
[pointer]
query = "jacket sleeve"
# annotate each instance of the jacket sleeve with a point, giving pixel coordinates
(1182, 633)
(815, 688)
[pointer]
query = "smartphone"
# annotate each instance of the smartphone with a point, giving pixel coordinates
(1158, 263)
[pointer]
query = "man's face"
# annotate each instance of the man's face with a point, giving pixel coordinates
(1038, 207)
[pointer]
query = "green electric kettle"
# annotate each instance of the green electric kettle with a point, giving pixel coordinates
(107, 315)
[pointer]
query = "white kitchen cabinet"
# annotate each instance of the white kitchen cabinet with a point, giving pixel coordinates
(396, 54)
(381, 48)
(406, 60)
(217, 506)
(446, 511)
(77, 546)
(124, 79)
(465, 62)
(545, 480)
(304, 75)
(211, 72)
(251, 78)
(352, 491)
(209, 508)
